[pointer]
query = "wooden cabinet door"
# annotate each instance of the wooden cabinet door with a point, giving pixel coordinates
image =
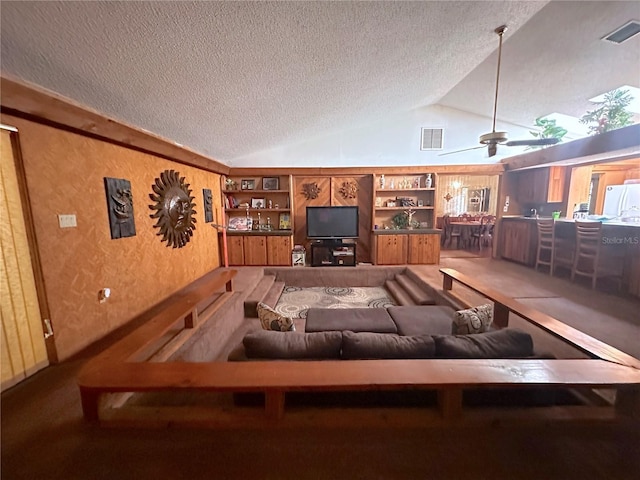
(235, 249)
(556, 184)
(279, 250)
(255, 250)
(424, 249)
(516, 241)
(391, 250)
(541, 185)
(533, 185)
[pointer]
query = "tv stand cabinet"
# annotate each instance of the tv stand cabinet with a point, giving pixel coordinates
(333, 253)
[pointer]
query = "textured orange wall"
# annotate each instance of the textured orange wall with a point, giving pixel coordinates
(65, 175)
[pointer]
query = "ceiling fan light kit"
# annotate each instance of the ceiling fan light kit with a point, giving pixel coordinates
(493, 137)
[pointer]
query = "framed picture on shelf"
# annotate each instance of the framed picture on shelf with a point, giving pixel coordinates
(240, 223)
(271, 183)
(257, 203)
(247, 185)
(285, 222)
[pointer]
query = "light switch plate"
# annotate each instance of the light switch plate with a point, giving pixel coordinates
(67, 221)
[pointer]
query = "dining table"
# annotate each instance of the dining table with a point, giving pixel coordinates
(466, 230)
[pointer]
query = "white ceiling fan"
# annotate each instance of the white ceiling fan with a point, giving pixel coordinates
(493, 139)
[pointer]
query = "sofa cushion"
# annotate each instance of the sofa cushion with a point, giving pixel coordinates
(366, 345)
(353, 319)
(472, 320)
(422, 319)
(272, 320)
(504, 343)
(293, 345)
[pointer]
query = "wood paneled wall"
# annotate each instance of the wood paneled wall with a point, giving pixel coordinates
(330, 194)
(65, 173)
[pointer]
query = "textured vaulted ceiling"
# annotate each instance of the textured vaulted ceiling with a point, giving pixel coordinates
(229, 79)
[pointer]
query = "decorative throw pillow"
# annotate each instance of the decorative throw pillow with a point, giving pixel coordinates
(473, 320)
(272, 320)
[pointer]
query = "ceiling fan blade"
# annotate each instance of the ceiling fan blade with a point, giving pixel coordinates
(459, 151)
(534, 142)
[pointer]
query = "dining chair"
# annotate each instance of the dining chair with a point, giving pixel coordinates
(483, 234)
(476, 234)
(451, 231)
(487, 230)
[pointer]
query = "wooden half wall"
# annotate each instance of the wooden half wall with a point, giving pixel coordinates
(65, 175)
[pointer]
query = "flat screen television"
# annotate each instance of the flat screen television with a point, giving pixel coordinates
(332, 222)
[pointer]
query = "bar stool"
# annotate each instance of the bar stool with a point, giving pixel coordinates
(546, 244)
(587, 258)
(564, 247)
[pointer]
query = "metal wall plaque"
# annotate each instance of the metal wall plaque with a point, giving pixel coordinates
(120, 207)
(208, 205)
(174, 212)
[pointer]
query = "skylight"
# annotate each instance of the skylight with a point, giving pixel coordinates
(634, 106)
(575, 129)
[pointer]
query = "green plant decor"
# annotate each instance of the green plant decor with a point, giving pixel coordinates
(610, 114)
(549, 129)
(400, 221)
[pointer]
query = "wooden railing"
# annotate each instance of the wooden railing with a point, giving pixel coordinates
(123, 368)
(154, 341)
(504, 305)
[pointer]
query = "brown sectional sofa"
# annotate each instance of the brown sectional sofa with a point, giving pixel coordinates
(407, 332)
(418, 332)
(347, 345)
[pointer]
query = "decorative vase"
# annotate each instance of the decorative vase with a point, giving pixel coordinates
(429, 181)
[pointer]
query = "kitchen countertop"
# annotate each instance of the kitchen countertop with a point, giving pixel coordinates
(616, 223)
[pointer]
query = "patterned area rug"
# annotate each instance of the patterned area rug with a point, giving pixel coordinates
(296, 301)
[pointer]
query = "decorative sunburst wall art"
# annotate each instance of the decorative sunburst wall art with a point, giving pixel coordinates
(208, 205)
(120, 206)
(310, 190)
(173, 209)
(349, 190)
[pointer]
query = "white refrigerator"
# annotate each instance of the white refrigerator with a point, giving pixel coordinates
(618, 198)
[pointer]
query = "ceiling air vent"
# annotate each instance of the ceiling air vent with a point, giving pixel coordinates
(431, 139)
(624, 33)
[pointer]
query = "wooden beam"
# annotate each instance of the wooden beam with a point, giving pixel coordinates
(450, 402)
(486, 169)
(624, 142)
(501, 315)
(39, 105)
(274, 404)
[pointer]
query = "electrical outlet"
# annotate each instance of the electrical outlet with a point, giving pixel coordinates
(67, 221)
